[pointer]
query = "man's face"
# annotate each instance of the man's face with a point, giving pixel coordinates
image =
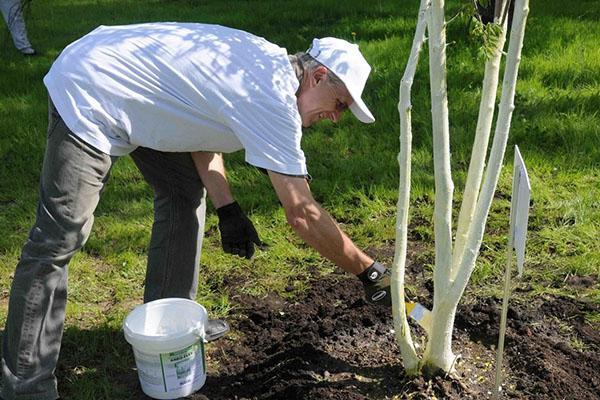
(319, 100)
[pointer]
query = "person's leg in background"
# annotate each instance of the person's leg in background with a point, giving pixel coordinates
(12, 10)
(178, 229)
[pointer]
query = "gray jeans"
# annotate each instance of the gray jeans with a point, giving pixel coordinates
(72, 179)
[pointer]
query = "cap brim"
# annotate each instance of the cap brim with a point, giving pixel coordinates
(360, 111)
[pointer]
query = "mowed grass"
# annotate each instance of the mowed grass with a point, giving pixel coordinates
(556, 125)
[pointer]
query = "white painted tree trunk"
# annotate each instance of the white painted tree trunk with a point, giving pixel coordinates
(439, 344)
(452, 269)
(403, 336)
(441, 149)
(438, 353)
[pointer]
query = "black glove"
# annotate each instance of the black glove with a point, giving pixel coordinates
(238, 235)
(376, 282)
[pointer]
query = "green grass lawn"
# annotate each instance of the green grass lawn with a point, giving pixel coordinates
(556, 125)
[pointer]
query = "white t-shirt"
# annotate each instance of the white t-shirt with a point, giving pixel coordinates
(181, 87)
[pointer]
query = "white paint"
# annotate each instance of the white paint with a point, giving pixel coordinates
(401, 327)
(453, 264)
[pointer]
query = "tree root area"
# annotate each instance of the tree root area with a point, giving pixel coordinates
(330, 344)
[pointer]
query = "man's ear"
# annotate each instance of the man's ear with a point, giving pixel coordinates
(318, 74)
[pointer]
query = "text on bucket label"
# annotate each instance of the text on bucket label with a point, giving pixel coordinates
(171, 371)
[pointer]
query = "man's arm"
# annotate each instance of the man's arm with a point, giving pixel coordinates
(238, 235)
(315, 226)
(211, 169)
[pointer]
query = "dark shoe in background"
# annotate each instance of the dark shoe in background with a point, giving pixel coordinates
(28, 51)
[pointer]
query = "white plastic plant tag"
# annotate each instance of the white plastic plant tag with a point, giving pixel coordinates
(520, 209)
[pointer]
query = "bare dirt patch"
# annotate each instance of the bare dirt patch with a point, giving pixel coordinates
(330, 344)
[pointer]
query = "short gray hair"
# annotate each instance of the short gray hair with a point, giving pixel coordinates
(305, 62)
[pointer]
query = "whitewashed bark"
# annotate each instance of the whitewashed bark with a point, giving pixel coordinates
(438, 352)
(498, 148)
(410, 358)
(479, 153)
(441, 150)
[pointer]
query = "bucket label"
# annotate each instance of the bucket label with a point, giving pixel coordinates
(183, 367)
(168, 372)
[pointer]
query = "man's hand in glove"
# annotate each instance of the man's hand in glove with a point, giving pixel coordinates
(376, 282)
(238, 235)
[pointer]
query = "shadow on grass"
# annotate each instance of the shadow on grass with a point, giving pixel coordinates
(372, 159)
(345, 160)
(96, 363)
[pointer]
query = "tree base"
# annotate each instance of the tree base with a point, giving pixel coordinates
(430, 371)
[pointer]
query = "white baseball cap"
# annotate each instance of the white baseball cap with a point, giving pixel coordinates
(347, 63)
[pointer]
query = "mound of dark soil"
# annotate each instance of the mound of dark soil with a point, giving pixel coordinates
(330, 344)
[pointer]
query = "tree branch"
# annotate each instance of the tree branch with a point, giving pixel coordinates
(403, 336)
(441, 149)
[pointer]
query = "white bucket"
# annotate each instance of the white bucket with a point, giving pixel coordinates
(167, 337)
